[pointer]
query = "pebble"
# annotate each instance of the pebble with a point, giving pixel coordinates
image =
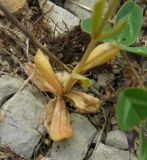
(117, 139)
(104, 152)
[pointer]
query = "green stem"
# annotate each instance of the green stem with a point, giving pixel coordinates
(79, 66)
(91, 46)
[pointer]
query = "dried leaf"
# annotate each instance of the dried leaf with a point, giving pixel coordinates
(63, 77)
(48, 113)
(47, 72)
(100, 55)
(13, 5)
(84, 103)
(38, 79)
(57, 120)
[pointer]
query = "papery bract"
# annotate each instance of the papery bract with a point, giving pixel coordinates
(84, 103)
(47, 72)
(57, 120)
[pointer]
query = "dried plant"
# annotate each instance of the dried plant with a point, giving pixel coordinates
(61, 84)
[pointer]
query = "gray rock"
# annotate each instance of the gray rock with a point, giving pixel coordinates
(8, 86)
(104, 152)
(117, 139)
(23, 118)
(76, 147)
(103, 79)
(59, 19)
(81, 8)
(113, 121)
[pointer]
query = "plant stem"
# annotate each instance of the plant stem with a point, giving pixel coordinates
(111, 10)
(79, 66)
(134, 71)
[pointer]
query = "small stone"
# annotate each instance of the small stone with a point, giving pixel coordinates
(104, 152)
(8, 86)
(76, 147)
(117, 139)
(59, 19)
(113, 121)
(22, 124)
(103, 79)
(115, 127)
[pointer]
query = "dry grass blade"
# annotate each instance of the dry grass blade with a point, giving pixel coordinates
(84, 103)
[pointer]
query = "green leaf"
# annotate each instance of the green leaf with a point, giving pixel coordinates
(137, 50)
(85, 82)
(97, 16)
(132, 13)
(142, 147)
(131, 108)
(86, 25)
(109, 34)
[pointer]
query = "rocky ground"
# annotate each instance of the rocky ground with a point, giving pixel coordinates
(22, 133)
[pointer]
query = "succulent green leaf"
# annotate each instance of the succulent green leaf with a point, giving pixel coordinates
(96, 19)
(109, 33)
(137, 50)
(85, 82)
(86, 25)
(142, 147)
(132, 13)
(131, 107)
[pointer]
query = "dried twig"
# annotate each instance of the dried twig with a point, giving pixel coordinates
(13, 20)
(133, 71)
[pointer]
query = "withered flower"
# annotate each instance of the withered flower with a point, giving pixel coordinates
(56, 115)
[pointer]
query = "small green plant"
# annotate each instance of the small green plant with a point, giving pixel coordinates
(116, 39)
(131, 110)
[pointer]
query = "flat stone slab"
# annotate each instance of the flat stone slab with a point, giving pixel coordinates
(22, 124)
(76, 147)
(59, 19)
(81, 8)
(117, 139)
(104, 152)
(8, 86)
